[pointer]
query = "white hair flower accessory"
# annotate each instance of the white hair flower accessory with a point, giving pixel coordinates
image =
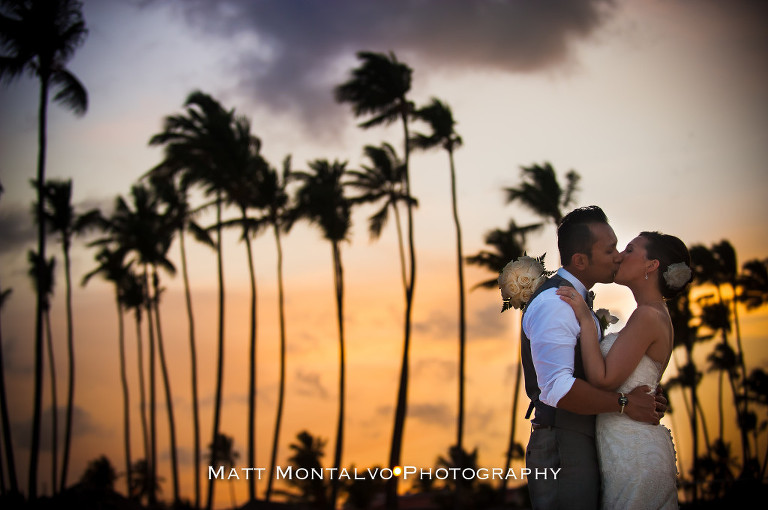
(677, 275)
(519, 280)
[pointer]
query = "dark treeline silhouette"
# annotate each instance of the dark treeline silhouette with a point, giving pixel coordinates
(210, 151)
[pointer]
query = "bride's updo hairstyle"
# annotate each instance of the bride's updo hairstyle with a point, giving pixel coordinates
(674, 262)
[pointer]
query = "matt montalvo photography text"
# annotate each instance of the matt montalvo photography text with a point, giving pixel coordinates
(291, 473)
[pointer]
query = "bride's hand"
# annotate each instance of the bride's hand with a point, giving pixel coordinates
(574, 298)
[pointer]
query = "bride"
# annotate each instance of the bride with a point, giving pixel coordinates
(637, 460)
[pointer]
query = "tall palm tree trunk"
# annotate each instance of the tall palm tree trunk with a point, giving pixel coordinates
(339, 281)
(281, 389)
(462, 311)
(152, 388)
(126, 396)
(402, 393)
(513, 428)
(167, 387)
(142, 387)
(6, 423)
(220, 362)
(34, 450)
(193, 367)
(71, 359)
(252, 367)
(400, 246)
(462, 327)
(54, 403)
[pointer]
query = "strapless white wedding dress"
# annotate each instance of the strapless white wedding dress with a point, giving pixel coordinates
(637, 460)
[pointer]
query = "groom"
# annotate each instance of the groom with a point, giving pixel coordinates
(563, 428)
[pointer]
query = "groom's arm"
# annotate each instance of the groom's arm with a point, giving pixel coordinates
(586, 399)
(552, 328)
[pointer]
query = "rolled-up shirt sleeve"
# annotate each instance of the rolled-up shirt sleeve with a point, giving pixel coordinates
(552, 328)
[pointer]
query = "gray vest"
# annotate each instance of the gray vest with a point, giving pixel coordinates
(548, 415)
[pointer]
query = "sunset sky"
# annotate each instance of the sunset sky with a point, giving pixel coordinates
(661, 106)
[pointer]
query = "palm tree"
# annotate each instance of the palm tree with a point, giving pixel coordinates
(541, 193)
(717, 266)
(99, 475)
(205, 145)
(507, 245)
(276, 208)
(753, 284)
(307, 453)
(6, 422)
(174, 193)
(320, 200)
(439, 117)
(686, 335)
(112, 267)
(382, 182)
(37, 268)
(145, 482)
(244, 191)
(61, 219)
(378, 89)
(132, 295)
(40, 38)
(222, 453)
(143, 233)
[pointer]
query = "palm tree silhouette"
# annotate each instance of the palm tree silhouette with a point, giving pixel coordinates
(112, 267)
(542, 194)
(145, 482)
(382, 182)
(276, 205)
(40, 38)
(174, 195)
(222, 453)
(243, 190)
(146, 235)
(132, 295)
(718, 267)
(753, 284)
(439, 117)
(204, 146)
(61, 219)
(508, 244)
(46, 269)
(320, 200)
(307, 453)
(378, 88)
(6, 421)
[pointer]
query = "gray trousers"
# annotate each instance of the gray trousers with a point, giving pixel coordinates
(577, 485)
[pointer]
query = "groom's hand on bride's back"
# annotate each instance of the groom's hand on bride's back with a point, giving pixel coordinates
(642, 406)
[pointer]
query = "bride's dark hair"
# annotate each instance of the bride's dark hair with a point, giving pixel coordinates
(667, 250)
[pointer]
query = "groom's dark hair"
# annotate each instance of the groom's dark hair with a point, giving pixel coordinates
(574, 235)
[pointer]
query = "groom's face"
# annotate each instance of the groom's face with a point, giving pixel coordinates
(605, 258)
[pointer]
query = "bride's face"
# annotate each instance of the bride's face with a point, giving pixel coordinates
(634, 262)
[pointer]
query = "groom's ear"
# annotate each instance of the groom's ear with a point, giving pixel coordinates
(580, 261)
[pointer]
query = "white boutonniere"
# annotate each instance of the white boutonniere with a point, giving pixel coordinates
(605, 318)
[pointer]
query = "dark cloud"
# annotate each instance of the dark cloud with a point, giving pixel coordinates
(288, 52)
(16, 229)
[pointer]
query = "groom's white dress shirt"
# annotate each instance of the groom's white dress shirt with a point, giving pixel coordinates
(551, 326)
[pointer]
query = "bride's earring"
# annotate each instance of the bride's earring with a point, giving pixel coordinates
(646, 276)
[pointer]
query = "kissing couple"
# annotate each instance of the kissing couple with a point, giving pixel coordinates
(597, 408)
